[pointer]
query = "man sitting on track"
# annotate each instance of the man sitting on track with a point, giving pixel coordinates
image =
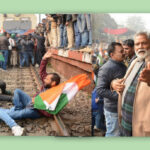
(23, 106)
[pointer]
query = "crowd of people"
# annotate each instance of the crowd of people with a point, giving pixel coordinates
(67, 31)
(122, 86)
(20, 50)
(57, 31)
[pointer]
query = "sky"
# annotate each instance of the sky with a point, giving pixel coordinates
(41, 16)
(121, 18)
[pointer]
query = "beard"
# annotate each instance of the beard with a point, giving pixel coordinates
(47, 86)
(142, 54)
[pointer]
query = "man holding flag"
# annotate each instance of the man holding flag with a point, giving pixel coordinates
(51, 100)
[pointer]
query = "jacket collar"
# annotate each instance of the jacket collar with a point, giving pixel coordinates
(114, 61)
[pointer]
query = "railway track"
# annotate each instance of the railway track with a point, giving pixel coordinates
(27, 79)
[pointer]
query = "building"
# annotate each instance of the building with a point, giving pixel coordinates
(17, 23)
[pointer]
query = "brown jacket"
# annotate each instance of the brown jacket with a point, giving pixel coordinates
(141, 107)
(4, 43)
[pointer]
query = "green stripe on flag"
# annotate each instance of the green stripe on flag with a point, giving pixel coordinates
(63, 101)
(38, 103)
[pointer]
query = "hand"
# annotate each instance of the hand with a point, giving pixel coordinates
(96, 100)
(47, 55)
(145, 74)
(67, 23)
(118, 85)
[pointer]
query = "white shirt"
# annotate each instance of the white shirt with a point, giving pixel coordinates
(11, 42)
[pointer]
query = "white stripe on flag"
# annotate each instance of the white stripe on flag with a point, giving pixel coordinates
(53, 105)
(70, 89)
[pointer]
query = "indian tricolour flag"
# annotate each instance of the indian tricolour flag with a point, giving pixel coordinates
(56, 98)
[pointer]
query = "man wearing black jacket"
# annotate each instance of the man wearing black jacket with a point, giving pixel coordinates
(112, 69)
(40, 47)
(30, 49)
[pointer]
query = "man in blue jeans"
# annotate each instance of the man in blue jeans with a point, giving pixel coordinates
(23, 106)
(112, 69)
(97, 113)
(85, 30)
(4, 43)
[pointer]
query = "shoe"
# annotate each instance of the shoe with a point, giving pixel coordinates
(96, 129)
(69, 48)
(20, 67)
(77, 48)
(60, 47)
(66, 48)
(17, 130)
(82, 47)
(3, 70)
(89, 46)
(72, 48)
(37, 65)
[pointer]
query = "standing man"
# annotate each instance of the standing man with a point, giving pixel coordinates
(30, 49)
(112, 69)
(40, 47)
(84, 26)
(134, 90)
(4, 43)
(63, 32)
(128, 46)
(70, 32)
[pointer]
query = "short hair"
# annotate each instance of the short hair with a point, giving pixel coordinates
(55, 77)
(111, 47)
(42, 33)
(142, 33)
(129, 42)
(5, 33)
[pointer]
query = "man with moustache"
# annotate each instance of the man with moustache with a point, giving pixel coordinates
(128, 46)
(134, 91)
(112, 69)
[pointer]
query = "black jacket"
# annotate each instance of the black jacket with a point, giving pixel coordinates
(23, 45)
(40, 42)
(30, 45)
(108, 72)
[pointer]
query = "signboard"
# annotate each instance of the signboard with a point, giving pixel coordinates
(17, 25)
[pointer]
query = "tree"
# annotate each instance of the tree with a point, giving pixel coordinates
(135, 23)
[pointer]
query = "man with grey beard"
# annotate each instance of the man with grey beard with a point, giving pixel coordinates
(134, 91)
